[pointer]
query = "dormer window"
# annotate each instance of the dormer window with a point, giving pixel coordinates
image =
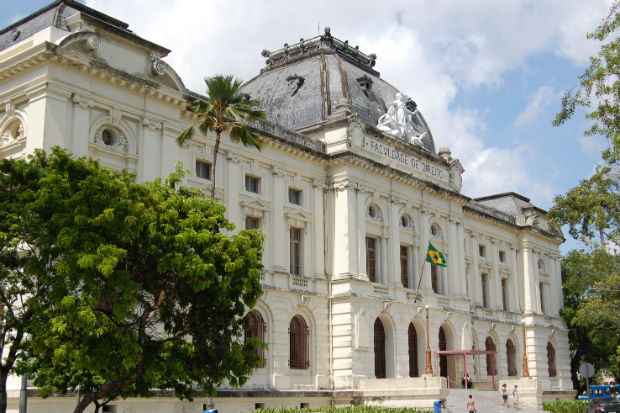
(108, 137)
(111, 138)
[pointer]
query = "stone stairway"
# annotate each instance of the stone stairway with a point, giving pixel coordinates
(487, 401)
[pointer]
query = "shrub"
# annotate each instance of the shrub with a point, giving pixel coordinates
(566, 406)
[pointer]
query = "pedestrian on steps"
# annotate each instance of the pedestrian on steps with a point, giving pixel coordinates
(471, 404)
(504, 395)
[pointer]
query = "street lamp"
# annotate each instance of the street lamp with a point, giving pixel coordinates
(428, 366)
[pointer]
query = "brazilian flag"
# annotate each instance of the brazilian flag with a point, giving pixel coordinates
(435, 257)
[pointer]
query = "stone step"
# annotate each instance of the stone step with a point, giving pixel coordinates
(486, 402)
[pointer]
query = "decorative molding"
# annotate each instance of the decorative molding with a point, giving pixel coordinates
(153, 124)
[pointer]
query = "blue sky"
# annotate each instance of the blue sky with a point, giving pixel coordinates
(487, 75)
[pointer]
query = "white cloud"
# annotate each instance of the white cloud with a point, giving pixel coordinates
(537, 103)
(429, 50)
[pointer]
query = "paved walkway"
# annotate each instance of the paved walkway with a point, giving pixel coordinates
(486, 402)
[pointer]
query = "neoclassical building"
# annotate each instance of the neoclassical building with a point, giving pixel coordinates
(349, 189)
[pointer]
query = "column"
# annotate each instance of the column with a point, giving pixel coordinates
(279, 230)
(394, 245)
(460, 269)
(515, 286)
(496, 292)
(558, 293)
(530, 289)
(359, 222)
(317, 214)
(151, 151)
(475, 273)
(346, 232)
(453, 285)
(233, 186)
(81, 126)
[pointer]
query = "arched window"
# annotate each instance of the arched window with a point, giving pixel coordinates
(254, 327)
(511, 355)
(551, 360)
(299, 349)
(413, 351)
(380, 371)
(489, 346)
(405, 221)
(443, 359)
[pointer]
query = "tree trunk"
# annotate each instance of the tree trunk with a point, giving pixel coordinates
(84, 402)
(214, 163)
(3, 395)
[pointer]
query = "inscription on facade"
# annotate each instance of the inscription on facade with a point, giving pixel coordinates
(407, 162)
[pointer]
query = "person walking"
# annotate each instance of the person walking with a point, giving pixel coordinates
(504, 392)
(515, 397)
(471, 404)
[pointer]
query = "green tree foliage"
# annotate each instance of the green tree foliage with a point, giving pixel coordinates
(591, 210)
(148, 286)
(224, 109)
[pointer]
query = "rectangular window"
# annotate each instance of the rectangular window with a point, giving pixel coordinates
(505, 294)
(485, 290)
(541, 288)
(296, 250)
(252, 222)
(502, 256)
(482, 251)
(435, 281)
(203, 169)
(371, 258)
(252, 184)
(404, 265)
(294, 196)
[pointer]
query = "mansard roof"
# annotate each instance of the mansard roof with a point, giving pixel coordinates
(322, 80)
(56, 14)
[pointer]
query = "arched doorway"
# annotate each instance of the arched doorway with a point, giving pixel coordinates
(511, 354)
(443, 359)
(380, 370)
(413, 351)
(489, 345)
(551, 360)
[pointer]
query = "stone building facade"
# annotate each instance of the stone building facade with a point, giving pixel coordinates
(348, 188)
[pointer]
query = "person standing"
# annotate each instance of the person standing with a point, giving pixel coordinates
(504, 392)
(471, 404)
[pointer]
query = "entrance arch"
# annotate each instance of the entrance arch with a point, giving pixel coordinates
(414, 370)
(443, 359)
(551, 360)
(511, 354)
(447, 363)
(489, 345)
(380, 364)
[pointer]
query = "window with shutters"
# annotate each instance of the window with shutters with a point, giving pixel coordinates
(413, 351)
(435, 279)
(505, 303)
(298, 344)
(489, 346)
(551, 360)
(379, 331)
(511, 358)
(254, 328)
(484, 279)
(404, 265)
(371, 258)
(296, 235)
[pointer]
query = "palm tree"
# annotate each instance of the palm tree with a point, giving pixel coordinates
(224, 109)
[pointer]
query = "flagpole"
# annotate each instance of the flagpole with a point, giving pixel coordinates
(415, 299)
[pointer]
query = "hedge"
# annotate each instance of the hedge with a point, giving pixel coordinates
(566, 406)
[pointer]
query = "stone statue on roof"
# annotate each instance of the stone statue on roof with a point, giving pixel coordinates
(403, 120)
